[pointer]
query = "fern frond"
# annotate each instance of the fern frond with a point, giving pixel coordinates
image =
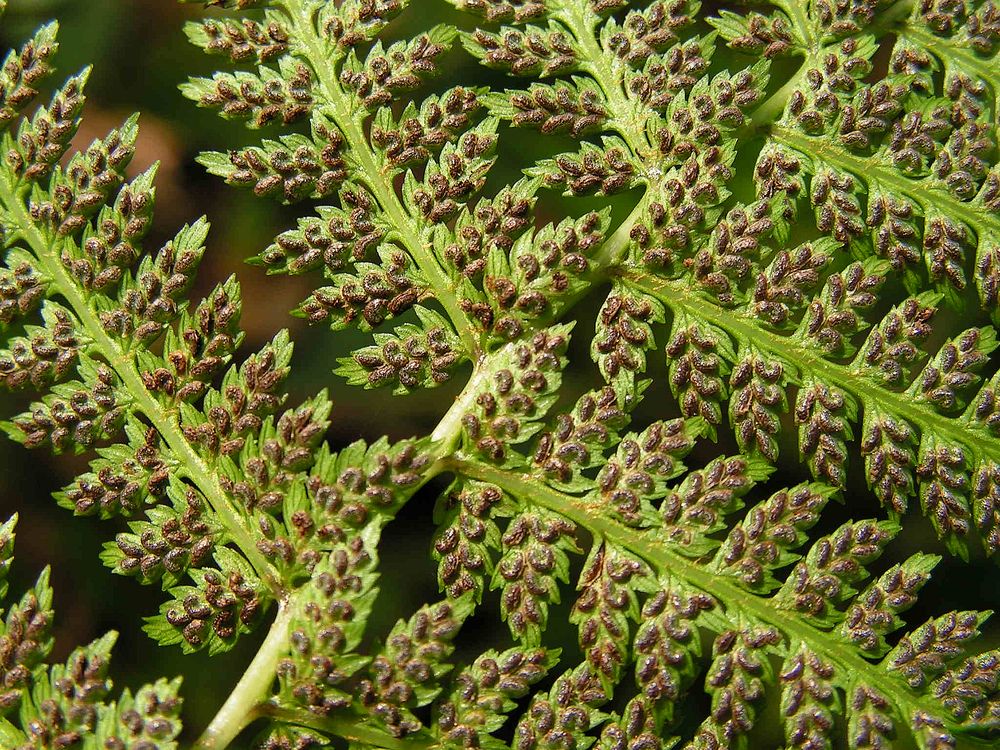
(343, 89)
(228, 495)
(896, 174)
(847, 290)
(45, 704)
(816, 617)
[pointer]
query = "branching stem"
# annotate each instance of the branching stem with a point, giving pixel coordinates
(769, 112)
(607, 71)
(448, 429)
(744, 328)
(351, 123)
(723, 589)
(243, 704)
(946, 49)
(797, 12)
(613, 248)
(928, 192)
(191, 465)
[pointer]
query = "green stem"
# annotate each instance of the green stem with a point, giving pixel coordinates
(448, 429)
(890, 17)
(613, 249)
(771, 109)
(348, 729)
(723, 589)
(243, 704)
(351, 123)
(947, 50)
(249, 700)
(607, 71)
(797, 12)
(679, 296)
(165, 420)
(927, 192)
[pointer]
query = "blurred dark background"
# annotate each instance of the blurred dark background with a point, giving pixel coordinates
(140, 55)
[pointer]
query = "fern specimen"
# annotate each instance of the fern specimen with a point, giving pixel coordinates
(873, 211)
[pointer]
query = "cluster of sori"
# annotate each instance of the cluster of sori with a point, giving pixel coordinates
(820, 305)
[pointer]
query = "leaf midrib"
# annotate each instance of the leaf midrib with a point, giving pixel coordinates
(926, 191)
(164, 420)
(944, 48)
(678, 295)
(852, 667)
(314, 53)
